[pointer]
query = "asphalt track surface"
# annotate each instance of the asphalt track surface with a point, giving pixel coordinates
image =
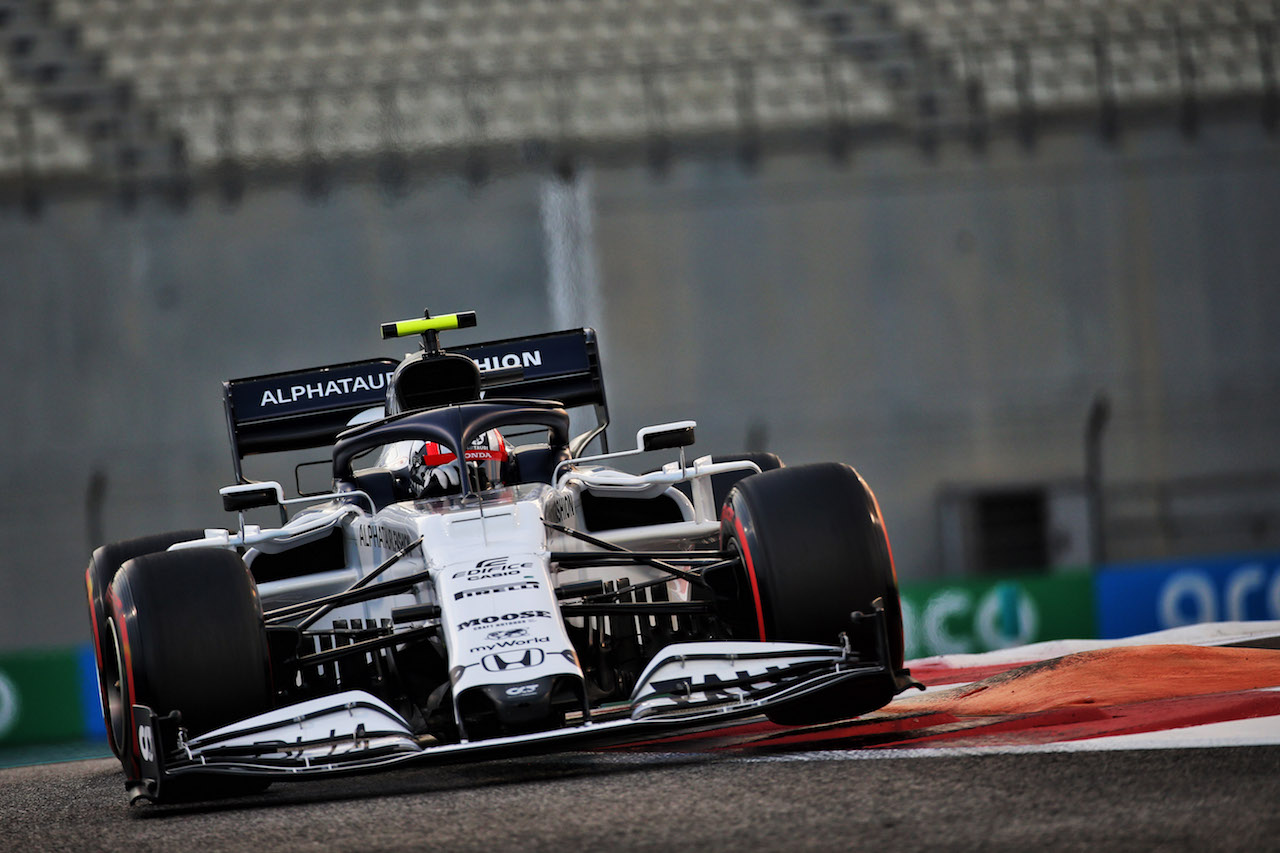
(1046, 747)
(1166, 799)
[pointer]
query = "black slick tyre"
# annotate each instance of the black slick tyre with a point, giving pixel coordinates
(188, 636)
(814, 550)
(104, 564)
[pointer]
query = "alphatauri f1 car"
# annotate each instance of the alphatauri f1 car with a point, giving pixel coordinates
(475, 584)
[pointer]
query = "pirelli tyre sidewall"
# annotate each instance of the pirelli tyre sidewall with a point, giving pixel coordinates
(104, 564)
(813, 549)
(188, 636)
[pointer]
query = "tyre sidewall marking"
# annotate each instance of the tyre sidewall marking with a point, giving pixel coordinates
(884, 530)
(93, 616)
(732, 518)
(96, 619)
(126, 679)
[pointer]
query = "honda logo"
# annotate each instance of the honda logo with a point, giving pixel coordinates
(503, 661)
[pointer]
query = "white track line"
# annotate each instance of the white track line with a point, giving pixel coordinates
(1210, 634)
(1264, 731)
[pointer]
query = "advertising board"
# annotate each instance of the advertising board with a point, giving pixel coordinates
(971, 615)
(1143, 597)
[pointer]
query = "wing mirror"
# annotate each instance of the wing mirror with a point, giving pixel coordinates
(665, 436)
(657, 437)
(251, 496)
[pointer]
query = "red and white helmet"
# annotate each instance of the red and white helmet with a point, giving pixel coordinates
(434, 468)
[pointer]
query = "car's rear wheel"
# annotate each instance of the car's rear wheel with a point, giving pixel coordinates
(188, 636)
(104, 564)
(813, 551)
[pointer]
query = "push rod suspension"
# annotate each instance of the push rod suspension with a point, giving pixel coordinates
(364, 646)
(351, 596)
(636, 556)
(692, 558)
(327, 604)
(636, 587)
(638, 608)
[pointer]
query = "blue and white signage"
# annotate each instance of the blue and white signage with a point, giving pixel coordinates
(1146, 597)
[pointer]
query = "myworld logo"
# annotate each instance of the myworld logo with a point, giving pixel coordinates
(10, 705)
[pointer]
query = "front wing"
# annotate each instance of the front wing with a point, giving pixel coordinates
(686, 687)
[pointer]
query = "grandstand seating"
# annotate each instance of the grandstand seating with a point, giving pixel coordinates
(356, 77)
(1063, 54)
(275, 81)
(33, 138)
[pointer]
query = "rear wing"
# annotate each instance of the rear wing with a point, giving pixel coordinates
(303, 409)
(561, 366)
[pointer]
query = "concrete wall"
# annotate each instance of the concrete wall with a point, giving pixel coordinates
(926, 321)
(952, 321)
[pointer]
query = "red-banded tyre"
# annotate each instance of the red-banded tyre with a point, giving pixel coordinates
(104, 564)
(188, 636)
(813, 551)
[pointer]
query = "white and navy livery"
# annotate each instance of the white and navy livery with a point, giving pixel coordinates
(556, 600)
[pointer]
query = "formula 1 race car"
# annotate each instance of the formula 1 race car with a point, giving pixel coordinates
(475, 584)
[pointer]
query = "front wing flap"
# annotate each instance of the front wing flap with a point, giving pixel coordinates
(687, 686)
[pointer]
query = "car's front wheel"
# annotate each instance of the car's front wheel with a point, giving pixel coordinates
(187, 635)
(813, 551)
(104, 564)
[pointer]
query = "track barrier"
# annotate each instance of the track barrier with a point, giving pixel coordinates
(48, 696)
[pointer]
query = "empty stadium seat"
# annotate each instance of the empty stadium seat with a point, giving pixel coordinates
(526, 66)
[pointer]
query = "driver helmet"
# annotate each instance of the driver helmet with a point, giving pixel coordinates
(434, 470)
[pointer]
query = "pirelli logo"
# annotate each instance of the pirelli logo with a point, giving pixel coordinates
(490, 590)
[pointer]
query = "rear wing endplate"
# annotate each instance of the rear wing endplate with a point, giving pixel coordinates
(303, 409)
(560, 366)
